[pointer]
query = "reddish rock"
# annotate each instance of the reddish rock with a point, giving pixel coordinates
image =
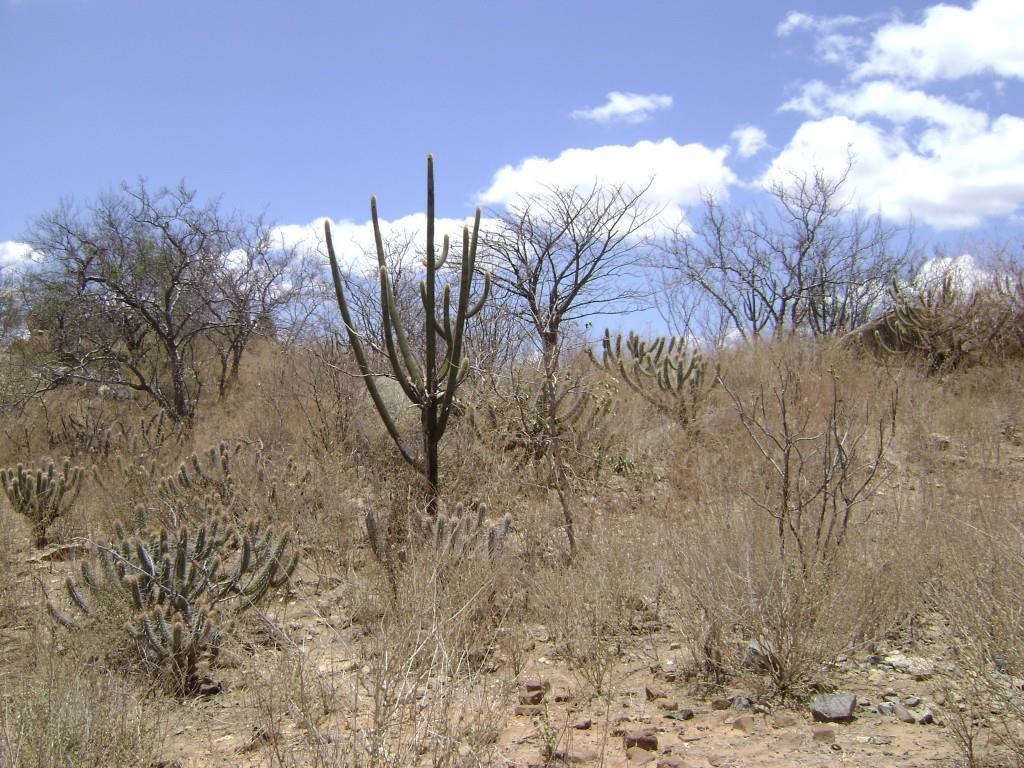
(532, 697)
(644, 738)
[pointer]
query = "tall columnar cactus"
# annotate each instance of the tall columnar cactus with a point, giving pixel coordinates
(663, 372)
(177, 590)
(429, 380)
(42, 495)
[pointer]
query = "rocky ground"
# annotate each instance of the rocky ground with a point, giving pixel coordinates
(884, 709)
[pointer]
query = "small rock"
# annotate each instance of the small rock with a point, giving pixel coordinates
(784, 720)
(640, 756)
(833, 707)
(918, 668)
(536, 685)
(758, 658)
(912, 701)
(674, 646)
(926, 718)
(671, 762)
(532, 697)
(902, 713)
(886, 708)
(583, 725)
(644, 738)
(720, 704)
(654, 693)
(864, 701)
(744, 723)
(669, 704)
(742, 702)
(824, 735)
(680, 714)
(880, 740)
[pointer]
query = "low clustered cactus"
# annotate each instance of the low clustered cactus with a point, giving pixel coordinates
(42, 495)
(181, 596)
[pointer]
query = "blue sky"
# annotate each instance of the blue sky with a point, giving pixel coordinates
(303, 109)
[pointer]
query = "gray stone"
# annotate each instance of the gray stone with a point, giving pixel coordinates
(833, 707)
(886, 708)
(680, 714)
(902, 713)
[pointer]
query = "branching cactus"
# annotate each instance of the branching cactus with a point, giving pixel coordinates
(428, 378)
(209, 475)
(181, 594)
(42, 495)
(663, 372)
(520, 418)
(445, 535)
(934, 321)
(464, 531)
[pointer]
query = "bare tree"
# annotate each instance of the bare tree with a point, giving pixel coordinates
(11, 304)
(131, 293)
(559, 257)
(813, 263)
(253, 292)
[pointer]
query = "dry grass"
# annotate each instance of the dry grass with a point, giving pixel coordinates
(678, 542)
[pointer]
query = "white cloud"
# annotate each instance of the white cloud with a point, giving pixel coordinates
(917, 153)
(678, 174)
(13, 252)
(749, 140)
(950, 42)
(625, 107)
(831, 44)
(354, 241)
(963, 270)
(889, 100)
(946, 178)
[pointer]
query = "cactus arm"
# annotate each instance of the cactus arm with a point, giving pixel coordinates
(454, 356)
(360, 355)
(393, 329)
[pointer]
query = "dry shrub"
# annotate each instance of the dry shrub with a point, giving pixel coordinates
(795, 572)
(745, 611)
(978, 591)
(602, 605)
(60, 712)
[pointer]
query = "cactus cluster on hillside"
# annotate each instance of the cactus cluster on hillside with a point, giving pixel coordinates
(180, 589)
(520, 419)
(933, 321)
(454, 535)
(664, 372)
(209, 475)
(42, 495)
